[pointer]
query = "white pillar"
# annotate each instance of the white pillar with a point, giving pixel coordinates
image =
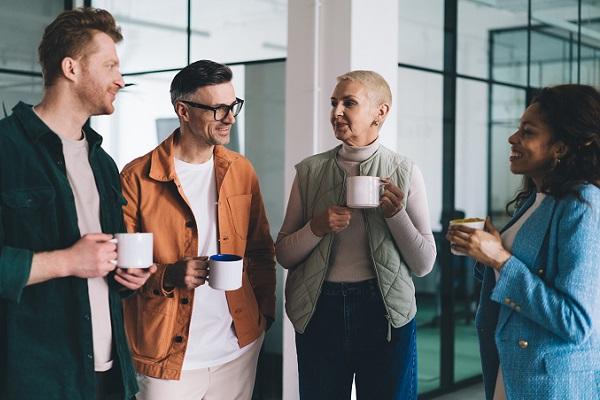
(326, 39)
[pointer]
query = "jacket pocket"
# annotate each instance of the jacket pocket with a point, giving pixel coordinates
(30, 215)
(577, 361)
(150, 325)
(28, 199)
(239, 212)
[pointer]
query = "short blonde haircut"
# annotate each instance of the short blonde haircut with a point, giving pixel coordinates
(377, 88)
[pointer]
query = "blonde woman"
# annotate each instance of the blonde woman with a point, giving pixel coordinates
(349, 291)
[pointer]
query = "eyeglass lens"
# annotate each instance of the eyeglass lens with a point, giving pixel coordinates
(221, 112)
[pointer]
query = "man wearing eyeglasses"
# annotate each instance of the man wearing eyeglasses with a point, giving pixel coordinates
(190, 341)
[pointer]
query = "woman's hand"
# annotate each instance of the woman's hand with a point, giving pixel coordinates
(484, 246)
(391, 199)
(334, 219)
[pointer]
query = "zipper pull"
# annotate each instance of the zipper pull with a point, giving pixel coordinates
(389, 332)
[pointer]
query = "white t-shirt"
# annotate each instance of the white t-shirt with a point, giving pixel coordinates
(212, 340)
(87, 204)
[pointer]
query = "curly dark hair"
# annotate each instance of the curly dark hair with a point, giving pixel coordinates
(573, 114)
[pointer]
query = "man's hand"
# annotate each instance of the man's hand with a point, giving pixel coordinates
(134, 278)
(188, 273)
(92, 256)
(334, 219)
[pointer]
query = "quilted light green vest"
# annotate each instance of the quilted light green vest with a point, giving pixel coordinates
(322, 184)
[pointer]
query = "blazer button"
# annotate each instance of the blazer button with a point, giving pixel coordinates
(185, 300)
(507, 301)
(540, 272)
(178, 339)
(156, 292)
(523, 344)
(517, 308)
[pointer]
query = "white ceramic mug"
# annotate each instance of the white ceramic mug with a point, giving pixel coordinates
(134, 250)
(225, 271)
(475, 223)
(363, 191)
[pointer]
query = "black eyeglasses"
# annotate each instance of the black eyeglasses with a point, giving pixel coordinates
(220, 112)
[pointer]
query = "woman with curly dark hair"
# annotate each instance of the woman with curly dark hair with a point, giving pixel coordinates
(539, 315)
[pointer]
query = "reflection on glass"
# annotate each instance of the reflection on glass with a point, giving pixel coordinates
(489, 41)
(15, 88)
(143, 116)
(244, 30)
(265, 146)
(422, 22)
(471, 147)
(472, 108)
(419, 105)
(507, 106)
(22, 24)
(151, 40)
(553, 42)
(590, 50)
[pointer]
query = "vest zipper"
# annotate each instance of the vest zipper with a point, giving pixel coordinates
(387, 315)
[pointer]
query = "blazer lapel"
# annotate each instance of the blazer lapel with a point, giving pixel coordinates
(519, 212)
(530, 239)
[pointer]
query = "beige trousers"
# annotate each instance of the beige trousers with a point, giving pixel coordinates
(233, 380)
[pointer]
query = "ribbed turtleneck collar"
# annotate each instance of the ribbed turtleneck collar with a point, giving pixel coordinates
(358, 153)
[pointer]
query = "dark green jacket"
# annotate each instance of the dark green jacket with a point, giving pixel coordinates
(46, 349)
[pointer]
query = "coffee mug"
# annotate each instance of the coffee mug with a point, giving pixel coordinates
(363, 191)
(225, 271)
(134, 250)
(475, 223)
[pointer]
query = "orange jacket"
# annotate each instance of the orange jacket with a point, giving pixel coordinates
(157, 321)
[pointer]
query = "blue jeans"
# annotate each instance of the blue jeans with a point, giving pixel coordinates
(347, 337)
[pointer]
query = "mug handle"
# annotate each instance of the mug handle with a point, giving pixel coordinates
(381, 186)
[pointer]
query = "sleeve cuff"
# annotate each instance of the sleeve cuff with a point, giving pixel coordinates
(15, 268)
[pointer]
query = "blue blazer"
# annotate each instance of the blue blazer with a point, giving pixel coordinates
(541, 320)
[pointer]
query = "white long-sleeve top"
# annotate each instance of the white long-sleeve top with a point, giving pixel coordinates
(350, 257)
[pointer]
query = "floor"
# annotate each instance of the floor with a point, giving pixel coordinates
(471, 393)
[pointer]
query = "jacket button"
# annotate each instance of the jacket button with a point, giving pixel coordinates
(178, 339)
(540, 271)
(156, 292)
(517, 308)
(185, 300)
(523, 344)
(190, 224)
(507, 301)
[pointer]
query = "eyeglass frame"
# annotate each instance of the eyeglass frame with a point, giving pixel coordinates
(215, 109)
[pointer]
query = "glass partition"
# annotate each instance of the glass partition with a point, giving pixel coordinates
(152, 41)
(421, 21)
(239, 30)
(22, 24)
(419, 106)
(15, 88)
